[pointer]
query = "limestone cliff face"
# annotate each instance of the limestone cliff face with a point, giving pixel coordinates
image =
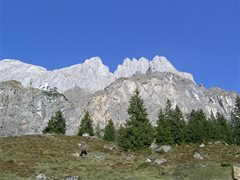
(90, 76)
(27, 110)
(155, 88)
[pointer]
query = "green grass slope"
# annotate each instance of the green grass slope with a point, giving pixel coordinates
(56, 156)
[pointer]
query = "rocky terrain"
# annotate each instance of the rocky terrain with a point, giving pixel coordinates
(25, 111)
(26, 106)
(91, 76)
(112, 102)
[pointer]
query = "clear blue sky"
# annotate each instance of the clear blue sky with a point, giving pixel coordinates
(198, 36)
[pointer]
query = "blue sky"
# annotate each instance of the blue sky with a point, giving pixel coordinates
(198, 36)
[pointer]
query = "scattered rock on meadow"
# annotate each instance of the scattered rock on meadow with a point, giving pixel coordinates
(163, 149)
(160, 161)
(85, 135)
(202, 145)
(217, 142)
(236, 172)
(72, 178)
(197, 155)
(153, 146)
(42, 176)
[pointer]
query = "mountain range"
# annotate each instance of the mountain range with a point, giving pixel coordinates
(30, 95)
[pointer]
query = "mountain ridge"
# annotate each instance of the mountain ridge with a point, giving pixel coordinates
(27, 101)
(92, 75)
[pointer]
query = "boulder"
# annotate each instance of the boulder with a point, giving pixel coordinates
(72, 178)
(153, 146)
(202, 145)
(160, 161)
(236, 172)
(163, 149)
(197, 155)
(148, 160)
(42, 176)
(217, 142)
(85, 135)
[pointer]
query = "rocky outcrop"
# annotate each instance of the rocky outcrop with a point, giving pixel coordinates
(78, 96)
(27, 110)
(90, 76)
(155, 89)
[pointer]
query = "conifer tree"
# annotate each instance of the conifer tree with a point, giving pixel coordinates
(178, 127)
(198, 128)
(174, 118)
(138, 132)
(214, 134)
(86, 125)
(109, 132)
(56, 124)
(222, 128)
(235, 122)
(163, 130)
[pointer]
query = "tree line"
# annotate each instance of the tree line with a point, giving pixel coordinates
(172, 127)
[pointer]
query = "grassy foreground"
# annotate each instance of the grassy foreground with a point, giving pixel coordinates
(56, 156)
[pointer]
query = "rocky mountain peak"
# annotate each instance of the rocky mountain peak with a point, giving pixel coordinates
(161, 64)
(91, 76)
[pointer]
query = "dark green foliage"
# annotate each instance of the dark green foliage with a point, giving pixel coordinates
(163, 130)
(214, 135)
(109, 132)
(138, 132)
(56, 124)
(198, 128)
(235, 123)
(171, 125)
(86, 125)
(178, 126)
(223, 130)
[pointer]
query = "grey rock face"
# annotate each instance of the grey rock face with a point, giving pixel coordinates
(27, 111)
(90, 76)
(78, 96)
(113, 101)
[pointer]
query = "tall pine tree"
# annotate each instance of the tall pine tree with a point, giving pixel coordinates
(56, 124)
(178, 127)
(198, 128)
(86, 125)
(235, 122)
(163, 130)
(174, 118)
(214, 134)
(222, 127)
(138, 132)
(109, 132)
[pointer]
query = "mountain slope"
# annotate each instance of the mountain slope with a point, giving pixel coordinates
(27, 110)
(27, 105)
(155, 88)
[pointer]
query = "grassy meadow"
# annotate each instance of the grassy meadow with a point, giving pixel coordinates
(57, 157)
